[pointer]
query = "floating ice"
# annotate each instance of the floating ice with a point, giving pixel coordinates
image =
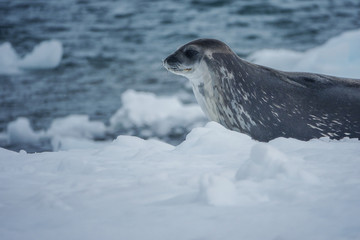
(75, 132)
(339, 56)
(159, 115)
(46, 55)
(77, 126)
(20, 131)
(8, 59)
(155, 116)
(71, 132)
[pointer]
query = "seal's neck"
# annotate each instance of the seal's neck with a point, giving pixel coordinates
(203, 89)
(200, 75)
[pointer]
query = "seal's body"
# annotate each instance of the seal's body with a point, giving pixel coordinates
(263, 102)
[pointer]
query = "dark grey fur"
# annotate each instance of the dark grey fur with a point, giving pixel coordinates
(273, 103)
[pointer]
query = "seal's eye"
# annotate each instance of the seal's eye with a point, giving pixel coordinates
(191, 53)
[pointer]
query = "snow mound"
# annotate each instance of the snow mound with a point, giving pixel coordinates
(46, 55)
(266, 162)
(265, 173)
(217, 191)
(211, 135)
(339, 56)
(157, 116)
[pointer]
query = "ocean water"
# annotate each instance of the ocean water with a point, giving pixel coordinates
(110, 47)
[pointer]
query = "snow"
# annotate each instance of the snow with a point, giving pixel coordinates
(45, 55)
(339, 56)
(217, 184)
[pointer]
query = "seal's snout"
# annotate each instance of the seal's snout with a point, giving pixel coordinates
(171, 60)
(171, 63)
(174, 64)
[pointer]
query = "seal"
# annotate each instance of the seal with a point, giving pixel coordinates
(263, 102)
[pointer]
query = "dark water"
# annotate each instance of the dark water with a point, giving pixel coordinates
(112, 46)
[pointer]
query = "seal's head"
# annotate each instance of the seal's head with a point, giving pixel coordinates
(197, 61)
(186, 60)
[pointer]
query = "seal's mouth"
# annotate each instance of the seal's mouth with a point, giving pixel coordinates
(175, 69)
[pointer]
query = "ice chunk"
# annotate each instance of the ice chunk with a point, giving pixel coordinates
(20, 131)
(8, 59)
(75, 132)
(46, 55)
(160, 115)
(155, 116)
(77, 126)
(71, 132)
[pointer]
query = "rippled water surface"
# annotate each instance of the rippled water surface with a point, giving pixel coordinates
(112, 46)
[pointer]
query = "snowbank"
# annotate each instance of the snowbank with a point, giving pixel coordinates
(339, 56)
(217, 184)
(46, 55)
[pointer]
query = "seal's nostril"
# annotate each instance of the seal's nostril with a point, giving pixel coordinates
(171, 60)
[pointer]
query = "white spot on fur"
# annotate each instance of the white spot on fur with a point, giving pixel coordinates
(315, 127)
(209, 54)
(226, 74)
(240, 112)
